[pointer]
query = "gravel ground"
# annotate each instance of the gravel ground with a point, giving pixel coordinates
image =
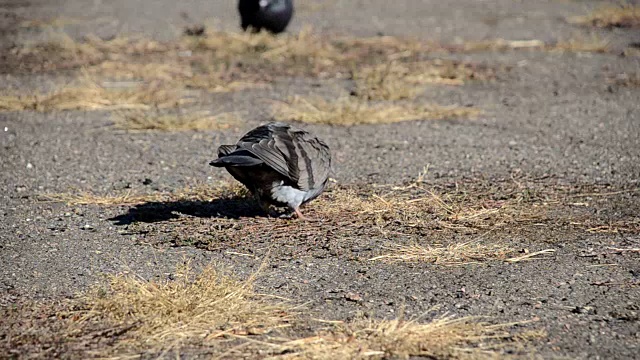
(554, 117)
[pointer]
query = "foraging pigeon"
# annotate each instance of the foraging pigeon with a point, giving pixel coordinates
(280, 164)
(272, 15)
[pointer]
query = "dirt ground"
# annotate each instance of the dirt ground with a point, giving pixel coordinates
(550, 162)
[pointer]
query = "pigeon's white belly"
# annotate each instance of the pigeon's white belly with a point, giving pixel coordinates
(288, 194)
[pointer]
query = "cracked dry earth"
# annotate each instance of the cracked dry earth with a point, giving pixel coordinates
(526, 213)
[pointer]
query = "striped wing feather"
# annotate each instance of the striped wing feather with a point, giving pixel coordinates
(295, 154)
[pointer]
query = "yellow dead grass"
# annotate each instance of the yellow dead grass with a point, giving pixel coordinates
(348, 110)
(306, 47)
(442, 338)
(578, 43)
(399, 81)
(195, 308)
(499, 45)
(384, 82)
(202, 120)
(86, 94)
(50, 22)
(192, 193)
(416, 206)
(593, 43)
(122, 70)
(623, 15)
(631, 79)
(211, 313)
(61, 45)
(454, 254)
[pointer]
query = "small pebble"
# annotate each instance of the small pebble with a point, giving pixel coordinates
(29, 166)
(353, 297)
(88, 227)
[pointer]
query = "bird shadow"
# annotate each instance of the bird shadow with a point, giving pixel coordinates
(156, 211)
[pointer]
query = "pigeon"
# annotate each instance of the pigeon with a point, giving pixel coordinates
(271, 15)
(281, 165)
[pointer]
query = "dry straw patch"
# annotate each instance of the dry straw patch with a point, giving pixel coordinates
(175, 74)
(50, 22)
(194, 309)
(398, 81)
(211, 313)
(416, 206)
(497, 45)
(593, 43)
(198, 192)
(151, 71)
(454, 254)
(349, 110)
(442, 338)
(59, 47)
(57, 50)
(304, 48)
(86, 198)
(202, 120)
(384, 82)
(624, 16)
(89, 95)
(631, 79)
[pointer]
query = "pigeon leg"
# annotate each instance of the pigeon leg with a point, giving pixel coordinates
(302, 217)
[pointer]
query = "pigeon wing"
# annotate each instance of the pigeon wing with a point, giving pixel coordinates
(300, 157)
(313, 161)
(266, 143)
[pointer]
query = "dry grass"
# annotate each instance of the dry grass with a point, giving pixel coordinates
(407, 211)
(383, 48)
(399, 81)
(498, 45)
(61, 47)
(442, 338)
(347, 111)
(419, 206)
(384, 82)
(203, 120)
(593, 43)
(50, 22)
(631, 51)
(631, 79)
(223, 218)
(622, 16)
(455, 254)
(165, 315)
(305, 49)
(87, 94)
(578, 43)
(85, 198)
(216, 83)
(193, 193)
(56, 50)
(211, 313)
(148, 71)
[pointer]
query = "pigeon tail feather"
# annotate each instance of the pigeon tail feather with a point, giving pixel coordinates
(236, 160)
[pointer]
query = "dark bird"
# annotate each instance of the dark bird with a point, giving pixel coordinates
(280, 164)
(271, 15)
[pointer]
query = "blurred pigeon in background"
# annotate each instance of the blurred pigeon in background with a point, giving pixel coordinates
(280, 164)
(271, 15)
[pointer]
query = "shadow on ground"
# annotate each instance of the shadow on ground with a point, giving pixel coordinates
(157, 211)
